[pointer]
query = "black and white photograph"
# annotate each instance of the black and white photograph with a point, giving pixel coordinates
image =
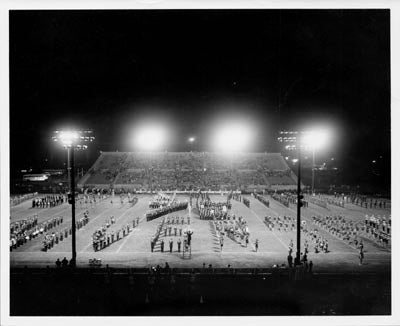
(199, 162)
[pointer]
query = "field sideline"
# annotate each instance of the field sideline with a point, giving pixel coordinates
(134, 249)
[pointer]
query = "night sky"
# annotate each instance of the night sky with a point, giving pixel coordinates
(107, 70)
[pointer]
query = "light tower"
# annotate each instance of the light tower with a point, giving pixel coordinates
(292, 138)
(73, 140)
(191, 140)
(298, 140)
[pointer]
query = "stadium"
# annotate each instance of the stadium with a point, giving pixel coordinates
(254, 230)
(146, 195)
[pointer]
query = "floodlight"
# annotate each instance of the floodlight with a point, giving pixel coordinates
(233, 138)
(73, 138)
(150, 138)
(316, 139)
(191, 139)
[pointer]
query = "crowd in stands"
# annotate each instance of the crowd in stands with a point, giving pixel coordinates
(48, 201)
(187, 171)
(175, 206)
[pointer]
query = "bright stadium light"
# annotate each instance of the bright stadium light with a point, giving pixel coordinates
(150, 137)
(67, 138)
(317, 139)
(232, 138)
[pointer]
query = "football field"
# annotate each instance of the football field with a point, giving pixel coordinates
(133, 250)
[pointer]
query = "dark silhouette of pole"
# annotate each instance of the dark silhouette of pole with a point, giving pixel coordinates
(313, 171)
(71, 168)
(297, 262)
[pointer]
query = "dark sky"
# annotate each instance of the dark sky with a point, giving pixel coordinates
(107, 70)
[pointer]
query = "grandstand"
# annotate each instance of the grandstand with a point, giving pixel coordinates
(170, 171)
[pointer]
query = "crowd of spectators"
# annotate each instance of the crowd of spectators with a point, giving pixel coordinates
(188, 171)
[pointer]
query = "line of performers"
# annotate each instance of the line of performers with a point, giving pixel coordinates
(50, 240)
(102, 238)
(48, 201)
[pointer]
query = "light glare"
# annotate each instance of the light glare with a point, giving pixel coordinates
(150, 138)
(232, 138)
(317, 139)
(68, 137)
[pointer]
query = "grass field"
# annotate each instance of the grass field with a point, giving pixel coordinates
(134, 249)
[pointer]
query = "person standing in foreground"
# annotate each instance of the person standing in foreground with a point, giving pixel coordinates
(361, 256)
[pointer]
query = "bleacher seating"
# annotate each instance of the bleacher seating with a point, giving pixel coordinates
(189, 171)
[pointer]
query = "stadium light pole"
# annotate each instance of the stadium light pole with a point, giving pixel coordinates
(191, 140)
(313, 171)
(73, 140)
(313, 139)
(294, 140)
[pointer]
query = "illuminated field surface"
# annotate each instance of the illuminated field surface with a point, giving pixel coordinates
(133, 250)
